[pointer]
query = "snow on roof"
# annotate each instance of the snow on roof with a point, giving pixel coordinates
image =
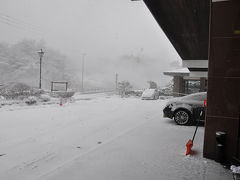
(177, 72)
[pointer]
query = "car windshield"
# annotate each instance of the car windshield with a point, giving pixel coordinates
(149, 91)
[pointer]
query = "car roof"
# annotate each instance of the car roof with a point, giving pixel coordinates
(194, 94)
(149, 90)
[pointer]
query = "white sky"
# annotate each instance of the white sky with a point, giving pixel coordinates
(100, 28)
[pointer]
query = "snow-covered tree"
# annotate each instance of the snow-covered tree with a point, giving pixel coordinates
(152, 85)
(124, 86)
(20, 63)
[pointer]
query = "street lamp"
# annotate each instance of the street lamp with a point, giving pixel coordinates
(40, 53)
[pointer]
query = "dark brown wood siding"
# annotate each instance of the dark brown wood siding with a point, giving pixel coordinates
(223, 78)
(186, 24)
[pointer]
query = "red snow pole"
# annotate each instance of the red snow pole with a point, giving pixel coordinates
(60, 102)
(189, 144)
(204, 103)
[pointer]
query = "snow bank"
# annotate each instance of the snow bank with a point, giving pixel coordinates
(18, 91)
(235, 169)
(30, 100)
(20, 94)
(62, 94)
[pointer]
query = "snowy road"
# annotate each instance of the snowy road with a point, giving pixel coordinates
(99, 137)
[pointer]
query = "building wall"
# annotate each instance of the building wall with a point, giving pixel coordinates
(182, 86)
(223, 106)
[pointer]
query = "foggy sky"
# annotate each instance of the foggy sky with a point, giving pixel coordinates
(106, 30)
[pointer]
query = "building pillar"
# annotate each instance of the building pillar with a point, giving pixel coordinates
(223, 97)
(178, 86)
(203, 84)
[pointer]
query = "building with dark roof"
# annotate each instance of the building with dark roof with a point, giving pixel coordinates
(216, 53)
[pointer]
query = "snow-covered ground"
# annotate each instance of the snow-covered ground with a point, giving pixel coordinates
(101, 137)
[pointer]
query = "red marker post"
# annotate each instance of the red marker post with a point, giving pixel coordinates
(205, 103)
(61, 102)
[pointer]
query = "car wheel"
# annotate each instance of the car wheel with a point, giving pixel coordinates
(182, 117)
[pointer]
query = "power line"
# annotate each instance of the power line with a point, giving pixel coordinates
(16, 22)
(5, 16)
(18, 25)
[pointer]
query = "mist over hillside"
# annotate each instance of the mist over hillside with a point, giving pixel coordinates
(20, 63)
(137, 69)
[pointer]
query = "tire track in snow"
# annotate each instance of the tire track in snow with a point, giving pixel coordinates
(95, 148)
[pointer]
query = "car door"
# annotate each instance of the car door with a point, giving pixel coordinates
(199, 110)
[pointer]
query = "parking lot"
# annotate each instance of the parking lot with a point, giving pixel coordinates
(99, 136)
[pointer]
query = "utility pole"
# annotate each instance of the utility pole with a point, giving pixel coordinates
(40, 53)
(83, 55)
(116, 82)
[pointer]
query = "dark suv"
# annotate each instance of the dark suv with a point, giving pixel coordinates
(184, 110)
